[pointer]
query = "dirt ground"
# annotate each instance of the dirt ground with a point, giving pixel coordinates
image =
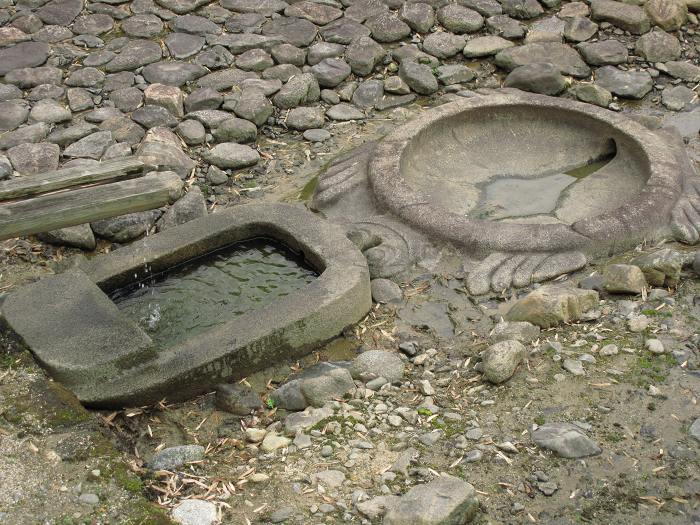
(61, 464)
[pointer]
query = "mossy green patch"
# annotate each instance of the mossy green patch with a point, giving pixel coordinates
(651, 312)
(650, 369)
(308, 190)
(449, 427)
(49, 402)
(8, 361)
(12, 359)
(126, 479)
(145, 513)
(613, 436)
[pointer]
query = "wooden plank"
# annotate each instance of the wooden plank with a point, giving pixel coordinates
(109, 171)
(79, 206)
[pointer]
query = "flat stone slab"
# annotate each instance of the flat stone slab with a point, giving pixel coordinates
(83, 322)
(24, 54)
(78, 334)
(566, 440)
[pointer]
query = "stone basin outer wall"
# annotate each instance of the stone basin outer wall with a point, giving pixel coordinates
(284, 329)
(645, 217)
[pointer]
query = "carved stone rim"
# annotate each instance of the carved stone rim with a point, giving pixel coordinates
(54, 316)
(646, 214)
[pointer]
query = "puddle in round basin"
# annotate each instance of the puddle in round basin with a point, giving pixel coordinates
(199, 294)
(517, 197)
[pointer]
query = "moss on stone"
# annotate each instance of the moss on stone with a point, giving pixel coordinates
(650, 369)
(126, 479)
(49, 402)
(145, 513)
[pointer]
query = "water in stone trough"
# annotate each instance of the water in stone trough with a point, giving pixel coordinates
(199, 294)
(518, 197)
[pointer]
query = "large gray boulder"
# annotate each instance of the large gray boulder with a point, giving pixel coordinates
(29, 159)
(683, 70)
(658, 46)
(593, 94)
(501, 359)
(91, 146)
(75, 236)
(60, 12)
(625, 84)
(377, 363)
(623, 278)
(165, 154)
(174, 457)
(605, 52)
(551, 305)
(192, 206)
(565, 439)
(232, 155)
(661, 268)
(669, 15)
(126, 228)
(5, 167)
(629, 17)
(579, 29)
(482, 46)
(298, 91)
(13, 114)
(419, 16)
(305, 118)
(363, 54)
(254, 106)
(317, 391)
(387, 27)
(446, 500)
(443, 45)
(522, 9)
(237, 399)
(419, 77)
(331, 71)
(134, 54)
(560, 55)
(194, 511)
(459, 19)
(300, 421)
(694, 430)
(514, 331)
(24, 54)
(236, 130)
(537, 78)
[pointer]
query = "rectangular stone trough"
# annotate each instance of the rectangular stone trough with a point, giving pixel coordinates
(84, 341)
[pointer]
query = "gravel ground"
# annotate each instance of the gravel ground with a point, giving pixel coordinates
(247, 101)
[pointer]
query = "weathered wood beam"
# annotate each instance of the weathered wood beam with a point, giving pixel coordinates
(70, 208)
(108, 171)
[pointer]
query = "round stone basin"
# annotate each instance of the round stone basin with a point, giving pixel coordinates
(519, 171)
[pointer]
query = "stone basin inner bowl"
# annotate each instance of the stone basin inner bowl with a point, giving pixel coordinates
(525, 172)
